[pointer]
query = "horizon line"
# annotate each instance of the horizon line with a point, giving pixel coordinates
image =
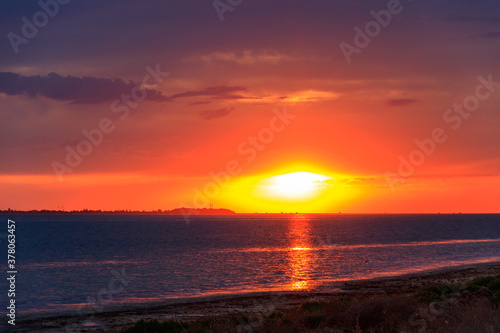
(229, 212)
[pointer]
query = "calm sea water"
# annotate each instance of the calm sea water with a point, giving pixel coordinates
(66, 261)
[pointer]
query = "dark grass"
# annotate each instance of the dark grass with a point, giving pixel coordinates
(472, 307)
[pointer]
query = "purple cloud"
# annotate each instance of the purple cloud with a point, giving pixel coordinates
(84, 90)
(212, 114)
(221, 92)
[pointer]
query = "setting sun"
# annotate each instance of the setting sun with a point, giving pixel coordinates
(289, 188)
(294, 186)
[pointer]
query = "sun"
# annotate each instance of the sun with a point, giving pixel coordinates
(293, 186)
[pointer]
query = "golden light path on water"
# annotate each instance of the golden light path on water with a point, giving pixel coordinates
(300, 251)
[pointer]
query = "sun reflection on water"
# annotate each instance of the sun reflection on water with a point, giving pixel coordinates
(300, 252)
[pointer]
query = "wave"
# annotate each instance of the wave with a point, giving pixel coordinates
(357, 246)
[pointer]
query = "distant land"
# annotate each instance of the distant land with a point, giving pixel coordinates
(176, 211)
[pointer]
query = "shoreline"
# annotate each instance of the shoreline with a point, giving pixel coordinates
(125, 315)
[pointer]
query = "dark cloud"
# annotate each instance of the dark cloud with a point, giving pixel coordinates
(401, 102)
(487, 35)
(221, 92)
(212, 114)
(84, 90)
(91, 90)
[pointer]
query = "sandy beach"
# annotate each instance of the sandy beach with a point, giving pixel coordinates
(254, 304)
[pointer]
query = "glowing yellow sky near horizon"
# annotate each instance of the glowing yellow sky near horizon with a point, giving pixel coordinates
(289, 189)
(295, 186)
(346, 193)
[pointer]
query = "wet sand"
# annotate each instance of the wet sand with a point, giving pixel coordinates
(264, 303)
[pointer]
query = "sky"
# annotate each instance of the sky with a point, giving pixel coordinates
(371, 106)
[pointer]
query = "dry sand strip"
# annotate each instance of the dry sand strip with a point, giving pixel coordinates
(254, 304)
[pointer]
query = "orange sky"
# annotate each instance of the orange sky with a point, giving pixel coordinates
(429, 76)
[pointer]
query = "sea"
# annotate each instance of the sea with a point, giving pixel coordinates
(67, 263)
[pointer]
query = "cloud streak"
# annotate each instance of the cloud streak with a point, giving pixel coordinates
(84, 90)
(213, 114)
(243, 58)
(91, 90)
(221, 92)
